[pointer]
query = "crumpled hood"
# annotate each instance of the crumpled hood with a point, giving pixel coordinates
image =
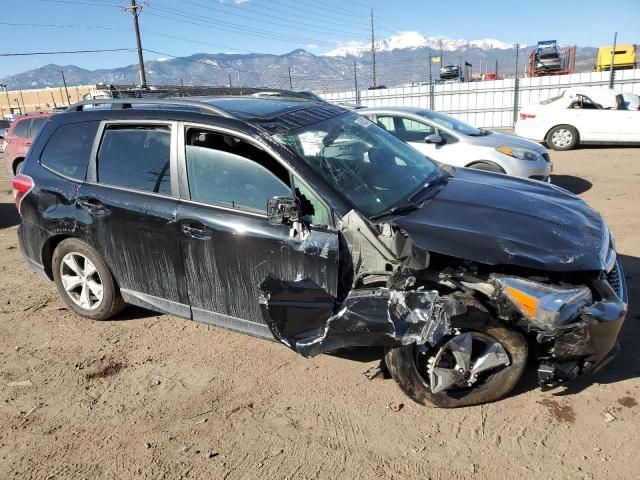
(497, 139)
(500, 220)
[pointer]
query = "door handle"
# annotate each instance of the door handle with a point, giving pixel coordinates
(28, 143)
(199, 232)
(93, 205)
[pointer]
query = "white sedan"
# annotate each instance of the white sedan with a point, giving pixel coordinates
(582, 116)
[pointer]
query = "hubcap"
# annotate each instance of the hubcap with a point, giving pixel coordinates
(465, 360)
(562, 137)
(81, 281)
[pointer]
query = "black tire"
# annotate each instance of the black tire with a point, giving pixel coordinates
(111, 303)
(487, 167)
(402, 364)
(562, 137)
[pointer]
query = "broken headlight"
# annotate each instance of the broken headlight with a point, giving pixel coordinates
(543, 305)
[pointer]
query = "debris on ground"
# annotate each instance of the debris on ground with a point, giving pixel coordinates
(608, 416)
(395, 407)
(373, 372)
(21, 383)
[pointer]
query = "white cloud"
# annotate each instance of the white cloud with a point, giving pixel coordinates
(312, 46)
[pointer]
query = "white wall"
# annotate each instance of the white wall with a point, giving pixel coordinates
(487, 104)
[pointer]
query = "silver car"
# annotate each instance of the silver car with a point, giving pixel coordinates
(448, 140)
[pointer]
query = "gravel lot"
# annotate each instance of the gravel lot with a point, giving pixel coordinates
(148, 396)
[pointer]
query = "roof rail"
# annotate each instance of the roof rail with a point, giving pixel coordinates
(125, 103)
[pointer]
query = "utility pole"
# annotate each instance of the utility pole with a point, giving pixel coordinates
(612, 74)
(239, 82)
(6, 92)
(66, 91)
(516, 89)
(230, 84)
(355, 81)
(496, 69)
(373, 51)
(290, 82)
(134, 10)
(431, 82)
(24, 108)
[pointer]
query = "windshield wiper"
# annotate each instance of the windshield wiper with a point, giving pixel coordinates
(427, 187)
(404, 207)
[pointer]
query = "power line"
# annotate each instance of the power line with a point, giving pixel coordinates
(293, 25)
(26, 54)
(231, 27)
(53, 25)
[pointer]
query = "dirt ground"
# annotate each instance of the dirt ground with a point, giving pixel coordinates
(149, 396)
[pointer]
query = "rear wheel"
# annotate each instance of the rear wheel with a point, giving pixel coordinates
(18, 167)
(562, 137)
(471, 366)
(487, 167)
(84, 281)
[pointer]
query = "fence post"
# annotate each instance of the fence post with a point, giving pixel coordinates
(612, 74)
(516, 88)
(431, 99)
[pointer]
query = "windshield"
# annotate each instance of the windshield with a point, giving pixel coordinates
(368, 165)
(453, 123)
(552, 99)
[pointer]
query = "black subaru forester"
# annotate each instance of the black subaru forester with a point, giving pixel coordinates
(299, 221)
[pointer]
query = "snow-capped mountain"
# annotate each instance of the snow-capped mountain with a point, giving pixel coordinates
(413, 40)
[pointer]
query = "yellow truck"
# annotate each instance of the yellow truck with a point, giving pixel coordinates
(626, 56)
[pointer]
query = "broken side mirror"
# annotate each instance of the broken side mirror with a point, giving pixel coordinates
(434, 138)
(283, 211)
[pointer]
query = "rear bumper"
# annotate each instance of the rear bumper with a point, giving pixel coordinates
(588, 344)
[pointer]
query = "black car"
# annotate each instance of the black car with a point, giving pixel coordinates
(299, 221)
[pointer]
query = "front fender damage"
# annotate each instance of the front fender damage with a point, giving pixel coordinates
(303, 316)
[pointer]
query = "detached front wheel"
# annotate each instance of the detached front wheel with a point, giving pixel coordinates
(469, 367)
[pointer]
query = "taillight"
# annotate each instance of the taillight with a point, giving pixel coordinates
(524, 116)
(21, 185)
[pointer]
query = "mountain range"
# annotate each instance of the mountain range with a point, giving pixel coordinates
(400, 60)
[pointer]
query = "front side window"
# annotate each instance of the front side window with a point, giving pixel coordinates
(314, 212)
(67, 151)
(412, 131)
(372, 168)
(136, 157)
(21, 128)
(227, 171)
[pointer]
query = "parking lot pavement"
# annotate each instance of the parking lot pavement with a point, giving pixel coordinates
(149, 395)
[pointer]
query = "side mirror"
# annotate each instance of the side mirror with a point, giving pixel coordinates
(434, 138)
(283, 211)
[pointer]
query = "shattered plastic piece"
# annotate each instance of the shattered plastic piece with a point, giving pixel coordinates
(395, 407)
(301, 315)
(373, 372)
(608, 416)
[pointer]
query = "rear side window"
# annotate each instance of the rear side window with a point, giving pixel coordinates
(136, 157)
(67, 151)
(21, 128)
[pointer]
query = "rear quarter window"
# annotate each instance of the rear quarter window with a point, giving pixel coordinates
(68, 150)
(21, 128)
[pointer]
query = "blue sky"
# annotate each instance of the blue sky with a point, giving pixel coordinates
(183, 27)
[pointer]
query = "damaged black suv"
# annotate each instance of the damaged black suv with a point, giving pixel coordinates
(299, 221)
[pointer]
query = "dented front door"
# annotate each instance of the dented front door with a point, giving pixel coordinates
(227, 255)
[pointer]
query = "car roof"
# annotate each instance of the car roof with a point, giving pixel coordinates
(270, 113)
(415, 110)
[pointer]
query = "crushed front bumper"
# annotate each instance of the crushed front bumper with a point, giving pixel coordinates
(587, 345)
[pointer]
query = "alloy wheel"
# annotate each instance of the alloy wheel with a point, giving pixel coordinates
(81, 281)
(464, 361)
